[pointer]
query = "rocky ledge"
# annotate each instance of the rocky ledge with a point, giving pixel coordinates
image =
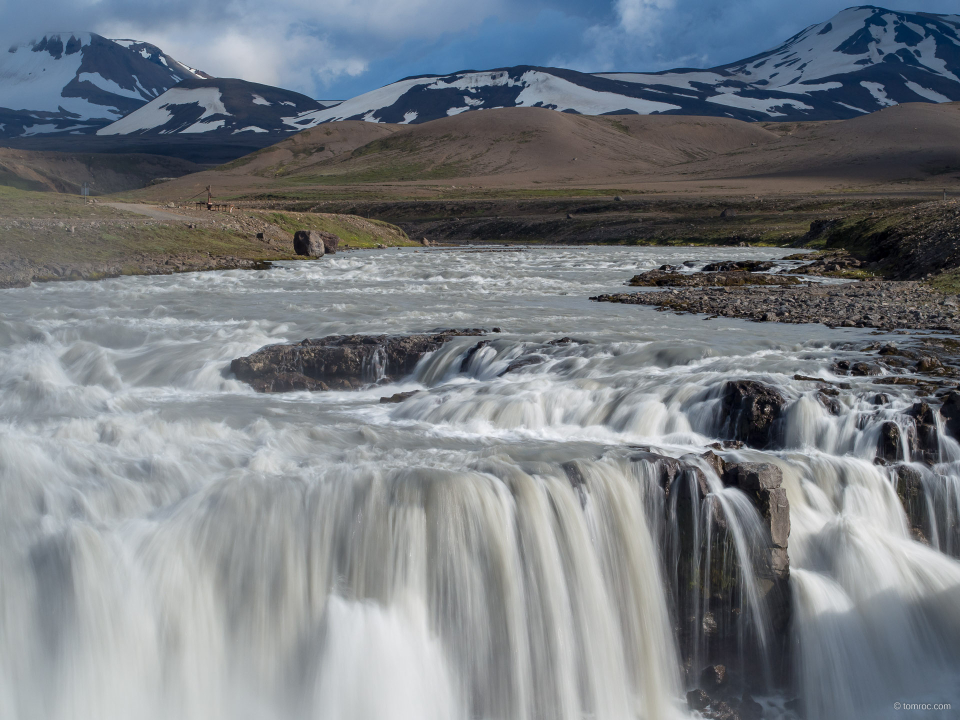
(339, 362)
(882, 305)
(668, 276)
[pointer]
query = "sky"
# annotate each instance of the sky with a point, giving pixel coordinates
(336, 49)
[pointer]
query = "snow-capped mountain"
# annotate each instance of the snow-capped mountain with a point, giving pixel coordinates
(79, 82)
(218, 106)
(863, 59)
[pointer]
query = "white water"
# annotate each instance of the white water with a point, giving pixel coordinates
(174, 545)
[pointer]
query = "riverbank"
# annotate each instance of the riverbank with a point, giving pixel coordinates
(883, 305)
(60, 237)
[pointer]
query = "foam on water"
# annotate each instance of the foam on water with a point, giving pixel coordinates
(174, 545)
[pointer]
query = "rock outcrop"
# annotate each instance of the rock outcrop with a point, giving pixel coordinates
(338, 362)
(751, 412)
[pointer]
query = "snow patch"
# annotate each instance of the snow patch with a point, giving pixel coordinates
(110, 86)
(931, 95)
(879, 93)
(564, 95)
(249, 128)
(764, 105)
(155, 113)
(257, 100)
(202, 127)
(409, 117)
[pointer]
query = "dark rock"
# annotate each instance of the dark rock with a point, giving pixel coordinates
(890, 444)
(751, 412)
(340, 362)
(698, 700)
(309, 243)
(912, 496)
(399, 397)
(728, 212)
(330, 242)
(950, 410)
(928, 363)
(862, 369)
(739, 266)
(522, 363)
(715, 462)
(830, 403)
(927, 438)
(762, 483)
(465, 363)
(713, 678)
(667, 467)
(881, 399)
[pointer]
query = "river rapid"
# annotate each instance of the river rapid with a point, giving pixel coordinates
(175, 545)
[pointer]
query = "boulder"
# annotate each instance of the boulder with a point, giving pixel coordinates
(890, 444)
(308, 243)
(338, 362)
(751, 412)
(331, 242)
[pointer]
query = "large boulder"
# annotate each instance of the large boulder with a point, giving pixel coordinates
(751, 412)
(308, 243)
(338, 362)
(912, 495)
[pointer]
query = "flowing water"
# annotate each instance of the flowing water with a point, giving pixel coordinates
(175, 545)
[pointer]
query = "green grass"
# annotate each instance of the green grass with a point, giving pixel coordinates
(356, 232)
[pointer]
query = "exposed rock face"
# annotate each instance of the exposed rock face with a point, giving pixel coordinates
(890, 444)
(911, 493)
(927, 438)
(950, 410)
(338, 362)
(308, 243)
(330, 242)
(751, 412)
(705, 569)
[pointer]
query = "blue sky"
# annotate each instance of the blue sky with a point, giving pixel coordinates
(336, 49)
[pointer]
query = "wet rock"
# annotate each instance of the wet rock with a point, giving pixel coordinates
(339, 362)
(330, 242)
(465, 363)
(739, 266)
(308, 243)
(762, 483)
(950, 410)
(751, 412)
(667, 468)
(829, 402)
(910, 490)
(522, 363)
(715, 462)
(927, 439)
(713, 678)
(890, 444)
(928, 363)
(698, 700)
(399, 397)
(667, 276)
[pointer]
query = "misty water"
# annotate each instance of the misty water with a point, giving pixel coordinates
(175, 545)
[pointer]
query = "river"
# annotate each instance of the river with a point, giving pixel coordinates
(175, 545)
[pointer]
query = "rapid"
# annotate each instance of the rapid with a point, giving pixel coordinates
(501, 545)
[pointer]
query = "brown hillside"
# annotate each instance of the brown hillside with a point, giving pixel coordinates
(66, 172)
(525, 147)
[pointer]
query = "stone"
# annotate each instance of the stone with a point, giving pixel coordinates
(398, 397)
(751, 412)
(926, 435)
(308, 243)
(340, 362)
(890, 444)
(912, 496)
(713, 678)
(698, 700)
(950, 410)
(749, 708)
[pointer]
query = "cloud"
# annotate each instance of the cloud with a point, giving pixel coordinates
(340, 48)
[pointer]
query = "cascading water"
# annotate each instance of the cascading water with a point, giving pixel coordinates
(536, 533)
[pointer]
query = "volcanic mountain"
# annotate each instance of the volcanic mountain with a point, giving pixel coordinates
(862, 60)
(79, 82)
